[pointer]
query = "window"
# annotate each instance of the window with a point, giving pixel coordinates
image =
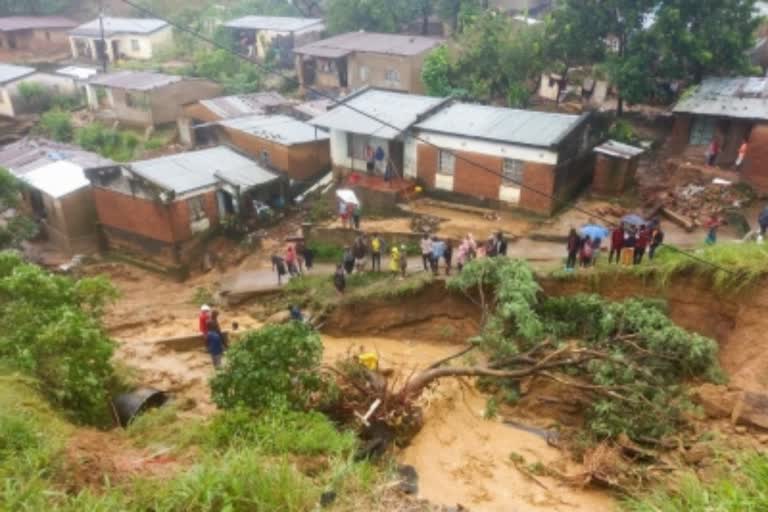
(139, 101)
(326, 66)
(264, 157)
(512, 173)
(446, 163)
(392, 75)
(135, 45)
(702, 130)
(196, 208)
(364, 73)
(356, 146)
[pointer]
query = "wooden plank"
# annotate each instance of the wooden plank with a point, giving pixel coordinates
(679, 219)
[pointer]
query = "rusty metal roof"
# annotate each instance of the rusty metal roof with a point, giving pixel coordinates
(245, 104)
(11, 23)
(114, 26)
(31, 153)
(135, 80)
(275, 23)
(740, 97)
(369, 42)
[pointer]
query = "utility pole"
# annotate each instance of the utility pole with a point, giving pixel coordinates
(103, 52)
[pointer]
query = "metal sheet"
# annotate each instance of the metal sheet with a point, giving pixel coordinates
(398, 110)
(135, 80)
(505, 125)
(114, 26)
(11, 23)
(31, 153)
(369, 42)
(245, 104)
(275, 23)
(280, 129)
(619, 150)
(9, 72)
(741, 98)
(57, 179)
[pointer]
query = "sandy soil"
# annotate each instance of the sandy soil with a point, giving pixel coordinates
(462, 458)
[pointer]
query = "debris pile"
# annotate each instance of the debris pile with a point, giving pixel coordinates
(423, 223)
(694, 204)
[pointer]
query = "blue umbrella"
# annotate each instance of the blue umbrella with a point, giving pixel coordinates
(594, 231)
(633, 220)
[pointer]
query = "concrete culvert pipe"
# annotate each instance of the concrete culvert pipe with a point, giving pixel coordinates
(129, 405)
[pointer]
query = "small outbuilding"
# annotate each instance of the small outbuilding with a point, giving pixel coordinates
(266, 36)
(615, 168)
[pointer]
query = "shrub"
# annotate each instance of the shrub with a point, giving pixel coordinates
(57, 336)
(56, 125)
(275, 365)
(113, 144)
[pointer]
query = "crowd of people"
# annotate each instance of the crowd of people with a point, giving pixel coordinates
(296, 259)
(628, 245)
(216, 341)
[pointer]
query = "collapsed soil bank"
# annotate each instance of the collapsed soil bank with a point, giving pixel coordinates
(738, 322)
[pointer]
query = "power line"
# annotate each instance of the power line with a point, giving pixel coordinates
(338, 103)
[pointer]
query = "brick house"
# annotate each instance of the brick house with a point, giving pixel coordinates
(124, 38)
(615, 168)
(57, 194)
(161, 209)
(361, 59)
(258, 36)
(733, 110)
(483, 154)
(143, 98)
(34, 36)
(354, 134)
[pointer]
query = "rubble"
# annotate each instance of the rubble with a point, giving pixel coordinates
(425, 223)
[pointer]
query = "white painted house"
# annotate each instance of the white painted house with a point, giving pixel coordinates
(257, 36)
(125, 38)
(11, 80)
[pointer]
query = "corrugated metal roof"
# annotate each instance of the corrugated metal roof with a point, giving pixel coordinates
(10, 23)
(314, 108)
(619, 150)
(741, 97)
(245, 104)
(400, 110)
(114, 26)
(275, 23)
(512, 126)
(194, 170)
(32, 153)
(57, 179)
(135, 80)
(389, 44)
(280, 129)
(9, 72)
(78, 72)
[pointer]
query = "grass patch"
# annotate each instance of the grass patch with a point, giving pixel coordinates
(742, 490)
(326, 252)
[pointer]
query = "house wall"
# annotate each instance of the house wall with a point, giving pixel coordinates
(147, 45)
(299, 162)
(681, 130)
(6, 104)
(341, 162)
(168, 102)
(50, 40)
(79, 211)
(755, 170)
(378, 65)
(613, 176)
(130, 115)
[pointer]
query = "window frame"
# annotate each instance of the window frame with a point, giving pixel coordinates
(392, 75)
(196, 206)
(512, 177)
(446, 159)
(135, 45)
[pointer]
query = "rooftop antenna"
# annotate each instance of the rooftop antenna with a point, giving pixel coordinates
(103, 46)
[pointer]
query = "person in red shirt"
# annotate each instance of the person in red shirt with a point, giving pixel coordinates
(202, 319)
(617, 242)
(713, 150)
(643, 239)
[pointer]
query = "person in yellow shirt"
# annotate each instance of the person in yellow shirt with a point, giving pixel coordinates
(376, 253)
(394, 261)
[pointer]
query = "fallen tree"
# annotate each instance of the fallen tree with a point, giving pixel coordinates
(628, 359)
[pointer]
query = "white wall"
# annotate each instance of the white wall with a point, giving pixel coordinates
(497, 149)
(340, 152)
(6, 106)
(148, 44)
(410, 157)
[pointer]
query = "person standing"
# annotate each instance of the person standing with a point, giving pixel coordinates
(572, 246)
(501, 244)
(461, 255)
(340, 279)
(712, 224)
(742, 154)
(214, 344)
(376, 247)
(278, 266)
(585, 252)
(628, 247)
(348, 260)
(343, 214)
(356, 213)
(448, 255)
(290, 260)
(380, 157)
(202, 319)
(369, 159)
(309, 256)
(403, 261)
(643, 239)
(713, 150)
(617, 241)
(762, 220)
(394, 260)
(657, 238)
(426, 251)
(360, 251)
(438, 252)
(597, 245)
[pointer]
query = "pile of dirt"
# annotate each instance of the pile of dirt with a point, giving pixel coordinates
(95, 459)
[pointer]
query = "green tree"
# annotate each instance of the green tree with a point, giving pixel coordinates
(370, 15)
(33, 7)
(56, 125)
(276, 365)
(436, 73)
(237, 75)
